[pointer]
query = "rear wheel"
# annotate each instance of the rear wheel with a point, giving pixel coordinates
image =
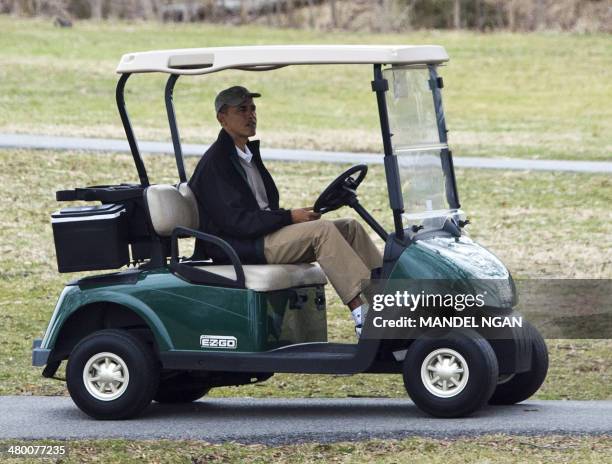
(452, 375)
(111, 374)
(181, 388)
(519, 387)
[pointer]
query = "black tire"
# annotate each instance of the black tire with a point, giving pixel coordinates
(141, 372)
(181, 388)
(476, 388)
(521, 386)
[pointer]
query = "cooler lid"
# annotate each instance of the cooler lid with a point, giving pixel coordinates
(84, 211)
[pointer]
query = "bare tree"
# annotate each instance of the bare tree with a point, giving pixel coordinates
(457, 14)
(384, 18)
(499, 14)
(95, 8)
(538, 14)
(479, 14)
(334, 13)
(269, 16)
(145, 9)
(290, 10)
(409, 13)
(15, 7)
(244, 12)
(511, 14)
(311, 19)
(277, 8)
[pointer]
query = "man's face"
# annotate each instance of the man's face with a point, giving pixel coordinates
(239, 120)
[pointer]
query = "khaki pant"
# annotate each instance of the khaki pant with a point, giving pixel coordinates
(342, 248)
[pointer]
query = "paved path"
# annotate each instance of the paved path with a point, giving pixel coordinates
(274, 421)
(109, 145)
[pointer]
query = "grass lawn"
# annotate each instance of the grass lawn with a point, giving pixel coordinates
(541, 95)
(487, 449)
(516, 214)
(533, 96)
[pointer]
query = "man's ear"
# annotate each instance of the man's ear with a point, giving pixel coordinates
(220, 118)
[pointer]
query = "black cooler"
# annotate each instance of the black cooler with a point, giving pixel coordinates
(91, 238)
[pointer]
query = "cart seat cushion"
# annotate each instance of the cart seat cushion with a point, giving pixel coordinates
(171, 207)
(268, 277)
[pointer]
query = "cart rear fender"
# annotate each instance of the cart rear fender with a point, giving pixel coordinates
(79, 313)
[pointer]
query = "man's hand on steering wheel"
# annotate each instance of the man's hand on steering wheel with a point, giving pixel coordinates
(304, 215)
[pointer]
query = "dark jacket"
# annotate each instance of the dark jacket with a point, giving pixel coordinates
(227, 205)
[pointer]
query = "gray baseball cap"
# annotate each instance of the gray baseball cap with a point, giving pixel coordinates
(233, 96)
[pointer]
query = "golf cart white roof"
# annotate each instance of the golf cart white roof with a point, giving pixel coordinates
(209, 60)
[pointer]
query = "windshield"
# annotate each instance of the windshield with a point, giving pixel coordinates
(417, 144)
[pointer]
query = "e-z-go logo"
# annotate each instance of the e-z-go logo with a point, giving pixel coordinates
(218, 341)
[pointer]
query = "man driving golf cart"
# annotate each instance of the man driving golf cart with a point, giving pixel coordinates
(238, 201)
(170, 328)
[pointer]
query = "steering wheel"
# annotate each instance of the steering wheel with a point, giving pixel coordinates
(342, 190)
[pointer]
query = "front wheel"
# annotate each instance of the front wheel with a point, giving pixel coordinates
(519, 387)
(111, 374)
(452, 375)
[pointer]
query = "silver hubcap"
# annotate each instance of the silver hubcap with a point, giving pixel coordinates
(444, 373)
(106, 376)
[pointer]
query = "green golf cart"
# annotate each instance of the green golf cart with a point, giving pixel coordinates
(169, 328)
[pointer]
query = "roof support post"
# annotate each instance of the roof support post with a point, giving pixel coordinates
(176, 139)
(129, 132)
(380, 86)
(446, 156)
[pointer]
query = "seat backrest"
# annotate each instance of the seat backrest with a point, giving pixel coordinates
(170, 207)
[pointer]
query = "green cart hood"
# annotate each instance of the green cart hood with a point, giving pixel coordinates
(465, 265)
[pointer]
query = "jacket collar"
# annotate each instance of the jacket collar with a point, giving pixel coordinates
(246, 155)
(228, 146)
(228, 143)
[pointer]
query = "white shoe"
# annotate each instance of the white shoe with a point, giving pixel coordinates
(358, 315)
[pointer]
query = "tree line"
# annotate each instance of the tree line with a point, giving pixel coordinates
(356, 15)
